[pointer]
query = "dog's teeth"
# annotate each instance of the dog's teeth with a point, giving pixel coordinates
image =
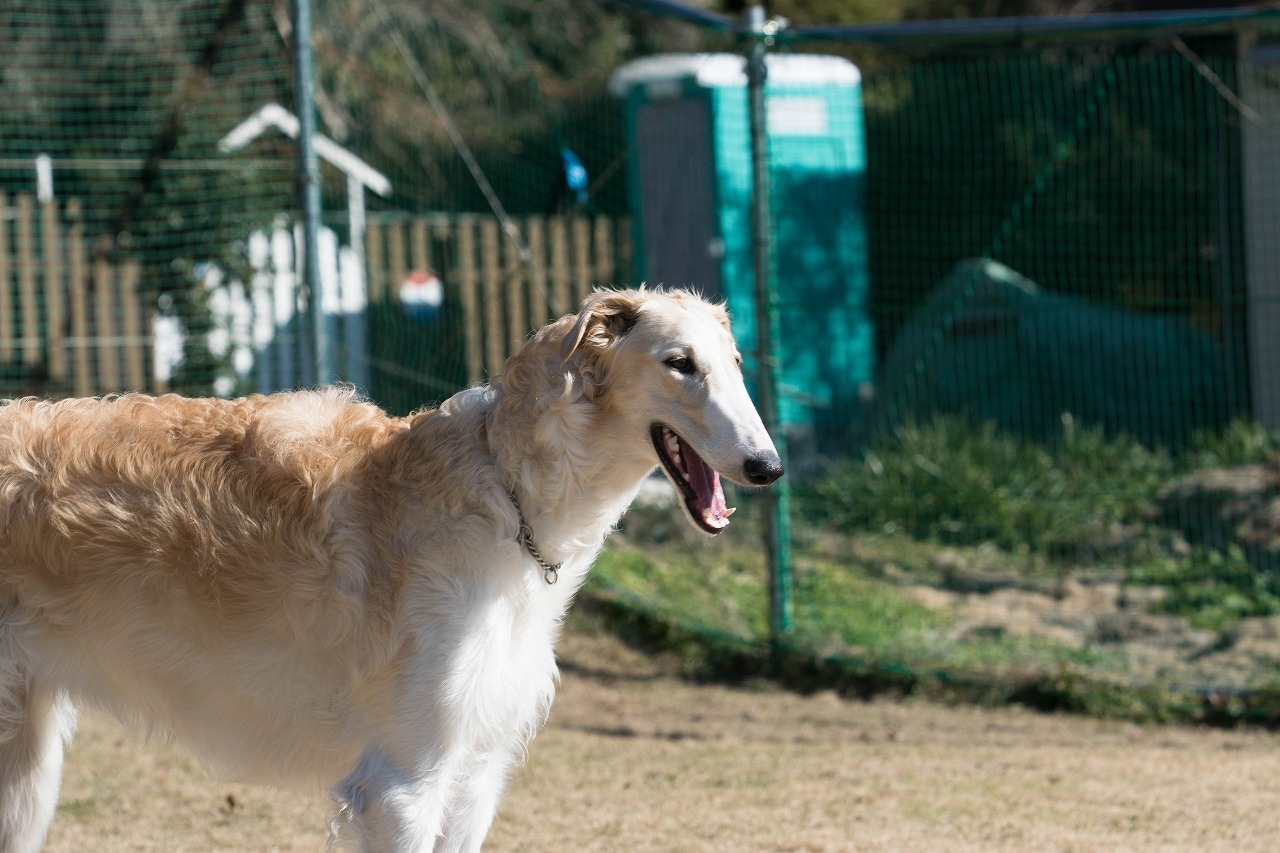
(730, 511)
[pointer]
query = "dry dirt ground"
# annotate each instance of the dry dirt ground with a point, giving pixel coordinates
(636, 760)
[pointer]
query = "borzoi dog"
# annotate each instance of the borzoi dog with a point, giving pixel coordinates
(303, 590)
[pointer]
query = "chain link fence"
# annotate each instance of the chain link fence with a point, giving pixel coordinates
(1025, 280)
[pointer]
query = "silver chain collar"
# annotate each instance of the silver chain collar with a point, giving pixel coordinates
(550, 571)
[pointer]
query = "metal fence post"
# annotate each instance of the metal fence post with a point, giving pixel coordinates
(777, 499)
(309, 183)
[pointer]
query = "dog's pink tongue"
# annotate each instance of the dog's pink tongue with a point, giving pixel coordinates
(706, 485)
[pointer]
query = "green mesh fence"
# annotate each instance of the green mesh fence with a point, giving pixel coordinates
(1027, 295)
(1026, 378)
(1111, 179)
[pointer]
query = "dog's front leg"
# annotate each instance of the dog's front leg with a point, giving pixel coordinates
(476, 801)
(382, 807)
(397, 797)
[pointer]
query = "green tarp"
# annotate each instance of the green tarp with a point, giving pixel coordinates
(990, 344)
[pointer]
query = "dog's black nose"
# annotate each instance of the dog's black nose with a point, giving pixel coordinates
(762, 468)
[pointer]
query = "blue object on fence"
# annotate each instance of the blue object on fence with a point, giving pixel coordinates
(575, 174)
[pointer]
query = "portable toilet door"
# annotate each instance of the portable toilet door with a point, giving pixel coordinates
(687, 119)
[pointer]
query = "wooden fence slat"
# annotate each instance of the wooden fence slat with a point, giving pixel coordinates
(131, 326)
(625, 258)
(395, 259)
(559, 239)
(467, 285)
(106, 334)
(491, 278)
(440, 233)
(604, 266)
(444, 250)
(536, 240)
(28, 300)
(419, 251)
(517, 317)
(51, 248)
(82, 378)
(376, 261)
(77, 277)
(581, 258)
(6, 297)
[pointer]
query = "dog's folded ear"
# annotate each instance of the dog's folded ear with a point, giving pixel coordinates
(604, 317)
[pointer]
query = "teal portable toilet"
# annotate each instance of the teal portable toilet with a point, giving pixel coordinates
(690, 171)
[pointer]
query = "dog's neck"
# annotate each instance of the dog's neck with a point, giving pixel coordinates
(573, 474)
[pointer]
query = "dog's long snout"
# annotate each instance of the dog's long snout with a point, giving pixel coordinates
(762, 468)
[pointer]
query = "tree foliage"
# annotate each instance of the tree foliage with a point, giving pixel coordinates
(519, 78)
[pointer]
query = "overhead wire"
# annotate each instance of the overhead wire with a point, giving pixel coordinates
(509, 227)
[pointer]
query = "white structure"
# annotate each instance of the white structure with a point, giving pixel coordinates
(343, 292)
(255, 325)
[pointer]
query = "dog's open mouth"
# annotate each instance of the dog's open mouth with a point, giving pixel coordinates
(698, 482)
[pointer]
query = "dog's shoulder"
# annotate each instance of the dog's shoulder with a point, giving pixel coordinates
(445, 447)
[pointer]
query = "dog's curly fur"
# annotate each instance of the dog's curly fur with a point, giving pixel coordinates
(302, 589)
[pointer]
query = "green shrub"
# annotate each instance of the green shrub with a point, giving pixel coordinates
(953, 482)
(1241, 443)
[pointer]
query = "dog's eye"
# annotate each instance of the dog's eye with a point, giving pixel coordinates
(680, 364)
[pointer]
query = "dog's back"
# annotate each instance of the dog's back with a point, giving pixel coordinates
(136, 490)
(149, 546)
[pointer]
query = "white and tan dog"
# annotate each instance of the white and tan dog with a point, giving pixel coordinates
(303, 590)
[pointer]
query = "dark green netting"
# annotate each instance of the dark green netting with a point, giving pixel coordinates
(1029, 332)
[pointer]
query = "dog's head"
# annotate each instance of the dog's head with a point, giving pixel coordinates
(666, 369)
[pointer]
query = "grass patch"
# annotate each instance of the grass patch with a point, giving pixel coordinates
(844, 609)
(991, 670)
(953, 483)
(721, 589)
(1211, 589)
(845, 606)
